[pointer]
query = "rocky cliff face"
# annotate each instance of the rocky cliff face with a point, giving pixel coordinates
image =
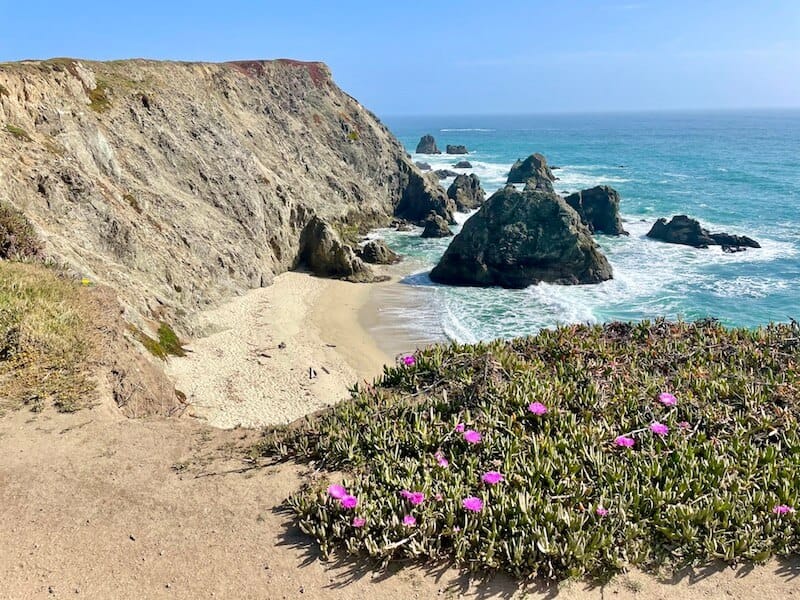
(181, 184)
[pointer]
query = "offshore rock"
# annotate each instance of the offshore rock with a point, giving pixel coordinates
(686, 231)
(598, 208)
(456, 149)
(532, 168)
(436, 227)
(463, 164)
(466, 192)
(427, 145)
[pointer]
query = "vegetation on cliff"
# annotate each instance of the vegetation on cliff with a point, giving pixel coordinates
(574, 452)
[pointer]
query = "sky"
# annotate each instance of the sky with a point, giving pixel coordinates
(457, 56)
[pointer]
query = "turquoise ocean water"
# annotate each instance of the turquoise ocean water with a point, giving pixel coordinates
(734, 171)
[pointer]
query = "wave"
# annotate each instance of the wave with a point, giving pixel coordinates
(468, 129)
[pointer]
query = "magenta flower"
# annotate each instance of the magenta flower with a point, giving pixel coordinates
(624, 441)
(601, 512)
(492, 477)
(473, 504)
(667, 399)
(460, 428)
(443, 462)
(336, 491)
(409, 361)
(537, 408)
(659, 428)
(349, 501)
(472, 436)
(782, 509)
(359, 521)
(413, 497)
(410, 521)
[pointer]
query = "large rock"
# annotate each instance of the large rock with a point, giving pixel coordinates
(463, 164)
(421, 195)
(444, 173)
(378, 253)
(598, 208)
(687, 231)
(517, 239)
(427, 145)
(532, 168)
(466, 192)
(436, 227)
(456, 149)
(324, 253)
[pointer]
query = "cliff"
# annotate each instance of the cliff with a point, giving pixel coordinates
(181, 184)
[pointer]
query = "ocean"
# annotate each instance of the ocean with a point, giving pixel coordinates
(737, 172)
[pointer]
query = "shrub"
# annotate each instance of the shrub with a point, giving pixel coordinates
(17, 238)
(712, 474)
(98, 97)
(166, 344)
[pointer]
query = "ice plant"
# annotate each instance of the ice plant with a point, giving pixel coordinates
(460, 428)
(601, 511)
(443, 462)
(410, 521)
(492, 477)
(624, 441)
(782, 509)
(414, 498)
(537, 408)
(359, 521)
(659, 428)
(472, 436)
(349, 501)
(336, 491)
(409, 361)
(667, 399)
(473, 504)
(439, 497)
(684, 425)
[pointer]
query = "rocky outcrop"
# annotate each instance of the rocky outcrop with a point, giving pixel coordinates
(378, 253)
(427, 145)
(686, 231)
(598, 208)
(463, 164)
(456, 149)
(436, 227)
(445, 173)
(423, 166)
(183, 184)
(534, 172)
(517, 239)
(324, 253)
(466, 192)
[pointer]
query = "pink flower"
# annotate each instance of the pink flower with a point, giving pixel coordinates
(443, 462)
(409, 361)
(667, 399)
(537, 408)
(473, 504)
(359, 521)
(472, 436)
(460, 428)
(659, 428)
(349, 501)
(624, 441)
(782, 509)
(439, 497)
(492, 477)
(410, 521)
(684, 425)
(336, 491)
(601, 512)
(413, 497)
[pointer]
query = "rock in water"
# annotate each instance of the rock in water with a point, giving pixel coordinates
(378, 253)
(436, 227)
(463, 164)
(445, 173)
(427, 145)
(532, 168)
(521, 238)
(456, 149)
(598, 208)
(421, 195)
(686, 231)
(324, 253)
(466, 192)
(423, 166)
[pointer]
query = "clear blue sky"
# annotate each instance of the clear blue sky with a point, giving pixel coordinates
(457, 56)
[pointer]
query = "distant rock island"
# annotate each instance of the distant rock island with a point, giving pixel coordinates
(456, 149)
(427, 145)
(684, 230)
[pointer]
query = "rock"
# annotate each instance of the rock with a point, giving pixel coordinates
(423, 166)
(532, 168)
(598, 208)
(466, 192)
(324, 253)
(421, 195)
(456, 149)
(378, 253)
(436, 227)
(521, 238)
(463, 164)
(683, 230)
(445, 173)
(427, 145)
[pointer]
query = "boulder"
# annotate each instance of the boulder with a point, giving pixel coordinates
(598, 208)
(421, 195)
(532, 168)
(324, 253)
(456, 149)
(423, 166)
(445, 173)
(436, 227)
(466, 192)
(517, 239)
(378, 253)
(683, 230)
(427, 145)
(463, 164)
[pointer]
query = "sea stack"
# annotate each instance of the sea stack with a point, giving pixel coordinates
(598, 208)
(466, 192)
(684, 230)
(456, 149)
(532, 171)
(427, 145)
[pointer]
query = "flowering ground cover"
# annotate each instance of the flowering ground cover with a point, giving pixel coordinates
(572, 453)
